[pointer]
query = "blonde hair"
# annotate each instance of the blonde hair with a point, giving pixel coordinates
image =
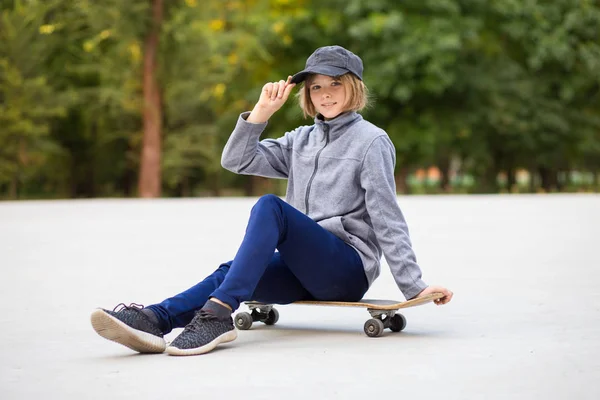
(357, 94)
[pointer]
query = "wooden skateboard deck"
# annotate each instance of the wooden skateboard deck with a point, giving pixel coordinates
(377, 304)
(383, 312)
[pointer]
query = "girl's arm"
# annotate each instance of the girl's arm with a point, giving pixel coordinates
(243, 153)
(377, 179)
(391, 230)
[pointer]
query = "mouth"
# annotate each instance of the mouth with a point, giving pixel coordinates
(328, 105)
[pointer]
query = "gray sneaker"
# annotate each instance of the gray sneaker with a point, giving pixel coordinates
(130, 327)
(203, 334)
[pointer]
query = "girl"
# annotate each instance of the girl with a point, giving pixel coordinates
(324, 243)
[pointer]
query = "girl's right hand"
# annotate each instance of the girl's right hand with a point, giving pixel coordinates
(272, 97)
(437, 289)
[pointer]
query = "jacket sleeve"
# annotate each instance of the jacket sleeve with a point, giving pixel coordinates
(245, 154)
(391, 230)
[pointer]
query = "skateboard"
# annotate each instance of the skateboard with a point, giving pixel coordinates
(383, 313)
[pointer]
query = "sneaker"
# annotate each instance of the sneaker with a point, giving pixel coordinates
(130, 327)
(203, 334)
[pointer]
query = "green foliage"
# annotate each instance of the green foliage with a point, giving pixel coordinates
(471, 86)
(27, 99)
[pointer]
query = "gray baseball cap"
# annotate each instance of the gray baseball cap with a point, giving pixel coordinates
(331, 61)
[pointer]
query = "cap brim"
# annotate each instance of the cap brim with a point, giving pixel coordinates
(323, 70)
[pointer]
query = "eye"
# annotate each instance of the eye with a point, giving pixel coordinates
(315, 87)
(336, 83)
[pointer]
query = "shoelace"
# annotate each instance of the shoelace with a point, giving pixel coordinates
(200, 317)
(131, 306)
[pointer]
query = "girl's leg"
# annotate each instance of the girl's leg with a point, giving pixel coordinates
(327, 267)
(277, 285)
(319, 264)
(178, 311)
(142, 329)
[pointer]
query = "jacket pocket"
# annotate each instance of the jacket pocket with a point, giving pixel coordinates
(335, 226)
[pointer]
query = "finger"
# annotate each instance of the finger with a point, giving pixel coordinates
(267, 89)
(288, 90)
(281, 87)
(446, 299)
(275, 90)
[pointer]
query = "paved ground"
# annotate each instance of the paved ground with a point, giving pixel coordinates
(525, 322)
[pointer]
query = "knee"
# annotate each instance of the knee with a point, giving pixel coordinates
(269, 203)
(268, 200)
(224, 268)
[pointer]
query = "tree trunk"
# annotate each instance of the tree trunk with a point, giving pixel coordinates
(488, 181)
(544, 178)
(549, 179)
(183, 189)
(511, 178)
(13, 188)
(402, 181)
(215, 183)
(149, 184)
(90, 182)
(532, 179)
(444, 167)
(560, 183)
(16, 179)
(249, 185)
(127, 180)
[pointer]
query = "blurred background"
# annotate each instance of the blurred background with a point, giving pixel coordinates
(136, 98)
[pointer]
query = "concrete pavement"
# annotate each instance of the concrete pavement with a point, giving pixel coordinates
(524, 324)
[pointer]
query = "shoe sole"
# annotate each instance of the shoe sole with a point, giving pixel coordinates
(224, 338)
(111, 328)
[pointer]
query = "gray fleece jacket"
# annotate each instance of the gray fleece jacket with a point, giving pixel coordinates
(341, 174)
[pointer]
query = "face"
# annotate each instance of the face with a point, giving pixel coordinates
(328, 95)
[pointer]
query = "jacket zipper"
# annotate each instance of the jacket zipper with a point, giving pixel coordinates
(326, 127)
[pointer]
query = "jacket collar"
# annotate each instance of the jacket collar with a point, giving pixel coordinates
(339, 124)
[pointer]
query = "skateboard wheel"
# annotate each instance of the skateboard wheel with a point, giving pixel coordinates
(373, 327)
(397, 322)
(243, 321)
(272, 317)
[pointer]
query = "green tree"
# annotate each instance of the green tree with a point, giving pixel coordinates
(27, 101)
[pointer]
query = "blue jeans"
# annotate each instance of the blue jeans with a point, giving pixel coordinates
(311, 264)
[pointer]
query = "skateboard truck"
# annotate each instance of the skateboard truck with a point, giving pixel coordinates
(383, 319)
(258, 312)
